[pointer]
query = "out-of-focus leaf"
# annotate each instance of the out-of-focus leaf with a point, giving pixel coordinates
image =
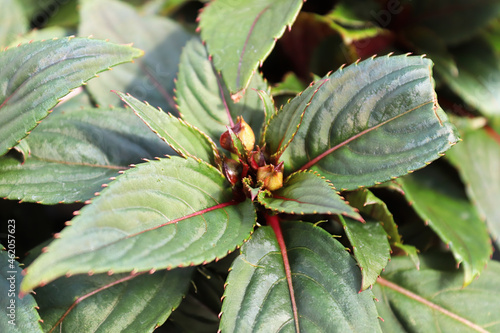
(370, 246)
(441, 203)
(18, 315)
(477, 159)
(73, 152)
(306, 193)
(326, 280)
(41, 34)
(239, 36)
(433, 299)
(478, 80)
(366, 123)
(35, 76)
(185, 139)
(150, 78)
(453, 20)
(204, 100)
(14, 22)
(161, 214)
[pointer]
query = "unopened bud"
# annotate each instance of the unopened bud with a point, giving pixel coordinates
(243, 131)
(271, 176)
(232, 170)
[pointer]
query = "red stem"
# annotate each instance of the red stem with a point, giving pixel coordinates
(274, 222)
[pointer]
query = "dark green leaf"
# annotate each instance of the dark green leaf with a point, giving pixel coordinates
(370, 246)
(433, 299)
(441, 203)
(17, 315)
(369, 122)
(478, 80)
(35, 76)
(239, 36)
(151, 78)
(185, 139)
(477, 159)
(166, 213)
(203, 97)
(307, 193)
(14, 22)
(74, 151)
(326, 280)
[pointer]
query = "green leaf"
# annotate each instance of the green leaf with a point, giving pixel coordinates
(370, 246)
(161, 214)
(14, 22)
(151, 78)
(18, 315)
(433, 299)
(441, 203)
(478, 80)
(477, 159)
(366, 202)
(369, 122)
(34, 76)
(74, 151)
(239, 37)
(185, 139)
(121, 304)
(41, 34)
(307, 193)
(326, 280)
(447, 17)
(203, 98)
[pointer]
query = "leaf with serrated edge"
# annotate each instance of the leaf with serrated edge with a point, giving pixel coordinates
(181, 136)
(307, 193)
(151, 78)
(161, 214)
(257, 297)
(203, 99)
(119, 301)
(74, 151)
(18, 315)
(239, 36)
(433, 299)
(35, 76)
(370, 122)
(366, 202)
(453, 218)
(477, 159)
(269, 110)
(370, 246)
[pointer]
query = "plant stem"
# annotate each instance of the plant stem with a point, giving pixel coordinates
(274, 222)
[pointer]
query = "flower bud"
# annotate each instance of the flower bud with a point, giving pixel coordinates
(243, 131)
(271, 176)
(232, 170)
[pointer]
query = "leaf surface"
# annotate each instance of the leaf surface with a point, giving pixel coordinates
(204, 100)
(161, 214)
(370, 246)
(477, 159)
(35, 76)
(74, 151)
(14, 22)
(433, 299)
(369, 122)
(326, 280)
(185, 139)
(18, 315)
(306, 193)
(150, 78)
(239, 36)
(441, 203)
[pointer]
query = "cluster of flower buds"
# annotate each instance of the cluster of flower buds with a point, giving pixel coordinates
(252, 163)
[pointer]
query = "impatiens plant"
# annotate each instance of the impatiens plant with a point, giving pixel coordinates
(229, 176)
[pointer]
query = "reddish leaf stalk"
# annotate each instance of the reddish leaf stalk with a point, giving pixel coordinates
(274, 222)
(84, 297)
(433, 306)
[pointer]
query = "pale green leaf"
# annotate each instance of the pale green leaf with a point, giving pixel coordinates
(13, 22)
(367, 123)
(35, 76)
(240, 35)
(326, 282)
(161, 214)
